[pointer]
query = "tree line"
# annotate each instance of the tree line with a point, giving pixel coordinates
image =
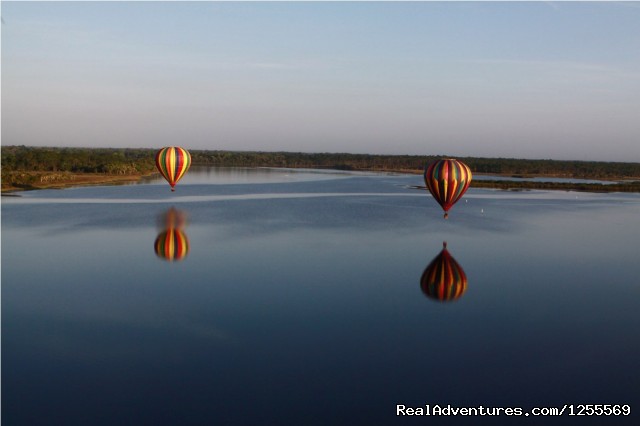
(416, 163)
(77, 160)
(141, 161)
(631, 186)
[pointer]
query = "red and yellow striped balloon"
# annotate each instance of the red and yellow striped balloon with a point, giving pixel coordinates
(171, 245)
(173, 162)
(444, 279)
(447, 181)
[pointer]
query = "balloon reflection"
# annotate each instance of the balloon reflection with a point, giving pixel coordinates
(172, 243)
(444, 279)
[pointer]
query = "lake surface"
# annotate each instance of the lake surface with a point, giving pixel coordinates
(263, 296)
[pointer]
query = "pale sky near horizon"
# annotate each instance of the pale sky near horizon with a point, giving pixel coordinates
(557, 80)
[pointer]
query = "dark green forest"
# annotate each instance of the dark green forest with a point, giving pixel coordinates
(141, 160)
(19, 161)
(416, 163)
(77, 160)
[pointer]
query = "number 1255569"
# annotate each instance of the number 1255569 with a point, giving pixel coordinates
(599, 410)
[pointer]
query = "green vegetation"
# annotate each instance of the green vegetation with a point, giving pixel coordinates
(416, 163)
(77, 160)
(33, 167)
(631, 186)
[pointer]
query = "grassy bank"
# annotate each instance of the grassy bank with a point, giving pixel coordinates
(28, 180)
(632, 186)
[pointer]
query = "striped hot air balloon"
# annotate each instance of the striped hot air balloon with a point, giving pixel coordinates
(171, 244)
(173, 162)
(447, 181)
(444, 279)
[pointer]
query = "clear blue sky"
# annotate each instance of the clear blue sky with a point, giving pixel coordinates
(554, 80)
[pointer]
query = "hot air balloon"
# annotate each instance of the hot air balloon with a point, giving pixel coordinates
(447, 181)
(444, 279)
(173, 162)
(172, 243)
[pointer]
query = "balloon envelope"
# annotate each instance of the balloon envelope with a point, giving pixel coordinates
(444, 279)
(173, 162)
(447, 180)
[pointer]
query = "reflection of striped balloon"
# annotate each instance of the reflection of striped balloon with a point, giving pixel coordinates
(447, 181)
(173, 162)
(173, 218)
(171, 245)
(444, 279)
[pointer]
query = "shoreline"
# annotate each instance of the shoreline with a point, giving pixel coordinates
(61, 180)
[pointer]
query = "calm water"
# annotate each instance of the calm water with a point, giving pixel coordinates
(300, 297)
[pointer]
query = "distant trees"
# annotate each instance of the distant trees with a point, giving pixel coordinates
(129, 161)
(77, 160)
(632, 186)
(575, 169)
(416, 163)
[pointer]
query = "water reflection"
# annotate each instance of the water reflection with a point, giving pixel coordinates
(172, 243)
(444, 279)
(243, 175)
